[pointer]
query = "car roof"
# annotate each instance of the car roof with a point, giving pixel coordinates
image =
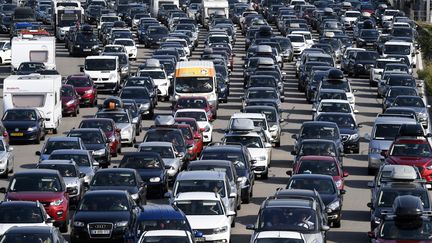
(57, 162)
(165, 233)
(279, 234)
(54, 139)
(392, 120)
(208, 196)
(105, 192)
(248, 115)
(334, 101)
(120, 170)
(323, 123)
(314, 176)
(70, 151)
(225, 163)
(317, 157)
(38, 171)
(223, 147)
(201, 175)
(191, 110)
(281, 203)
(19, 203)
(160, 211)
(30, 230)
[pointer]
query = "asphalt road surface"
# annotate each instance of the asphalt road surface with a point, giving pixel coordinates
(355, 216)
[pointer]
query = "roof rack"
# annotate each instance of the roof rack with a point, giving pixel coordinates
(396, 115)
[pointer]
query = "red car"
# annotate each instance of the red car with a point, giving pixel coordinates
(191, 144)
(196, 132)
(196, 103)
(412, 151)
(325, 165)
(108, 126)
(45, 186)
(70, 100)
(85, 87)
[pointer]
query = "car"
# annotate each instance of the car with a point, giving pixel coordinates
(44, 186)
(193, 149)
(7, 158)
(264, 93)
(330, 105)
(348, 53)
(108, 126)
(206, 213)
(395, 79)
(367, 39)
(129, 45)
(123, 61)
(259, 122)
(71, 174)
(54, 143)
(146, 82)
(169, 155)
(166, 235)
(153, 69)
(273, 118)
(82, 158)
(298, 215)
(22, 213)
(196, 102)
(85, 88)
(361, 63)
(328, 94)
(335, 83)
(121, 179)
(133, 107)
(393, 92)
(151, 168)
(141, 95)
(417, 104)
(348, 128)
(202, 119)
(23, 124)
(123, 121)
(319, 147)
(84, 42)
(325, 185)
(108, 214)
(70, 100)
(94, 139)
(32, 233)
(378, 69)
(153, 36)
(197, 134)
(298, 43)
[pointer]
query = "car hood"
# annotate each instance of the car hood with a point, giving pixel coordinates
(381, 144)
(19, 124)
(171, 162)
(34, 196)
(111, 216)
(66, 99)
(328, 198)
(146, 174)
(99, 74)
(94, 146)
(313, 237)
(198, 222)
(408, 160)
(81, 90)
(130, 189)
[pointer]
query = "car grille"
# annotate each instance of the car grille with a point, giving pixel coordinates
(345, 137)
(206, 231)
(103, 79)
(100, 230)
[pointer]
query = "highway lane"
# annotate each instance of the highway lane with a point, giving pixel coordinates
(355, 219)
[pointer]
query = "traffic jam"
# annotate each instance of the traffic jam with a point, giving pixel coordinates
(165, 126)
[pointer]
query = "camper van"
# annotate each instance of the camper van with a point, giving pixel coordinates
(213, 8)
(155, 5)
(33, 48)
(36, 91)
(104, 71)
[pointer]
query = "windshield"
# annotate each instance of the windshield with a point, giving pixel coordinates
(165, 239)
(352, 15)
(104, 203)
(17, 214)
(318, 167)
(335, 107)
(387, 197)
(341, 120)
(24, 237)
(332, 96)
(106, 126)
(153, 74)
(396, 80)
(386, 131)
(173, 136)
(194, 84)
(287, 219)
(20, 115)
(200, 207)
(134, 94)
(113, 179)
(100, 64)
(198, 116)
(67, 92)
(85, 38)
(296, 38)
(35, 182)
(335, 85)
(367, 55)
(271, 115)
(420, 230)
(116, 117)
(247, 141)
(191, 103)
(109, 19)
(393, 93)
(409, 102)
(88, 137)
(397, 49)
(318, 148)
(79, 82)
(235, 158)
(55, 145)
(124, 42)
(163, 151)
(322, 186)
(262, 94)
(411, 150)
(369, 33)
(200, 186)
(396, 68)
(66, 170)
(319, 132)
(140, 162)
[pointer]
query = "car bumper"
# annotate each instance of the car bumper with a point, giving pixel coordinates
(68, 109)
(351, 144)
(216, 238)
(23, 135)
(82, 234)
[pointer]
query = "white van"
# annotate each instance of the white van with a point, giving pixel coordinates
(396, 47)
(104, 71)
(35, 91)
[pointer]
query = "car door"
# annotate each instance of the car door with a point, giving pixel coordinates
(231, 201)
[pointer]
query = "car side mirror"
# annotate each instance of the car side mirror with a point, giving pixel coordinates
(370, 184)
(345, 174)
(95, 163)
(198, 136)
(268, 145)
(230, 214)
(250, 227)
(371, 235)
(369, 205)
(293, 152)
(289, 173)
(38, 153)
(10, 149)
(47, 119)
(325, 227)
(356, 111)
(82, 175)
(232, 195)
(3, 190)
(342, 191)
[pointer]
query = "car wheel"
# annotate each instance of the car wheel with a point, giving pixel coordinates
(277, 144)
(264, 176)
(37, 140)
(233, 223)
(337, 224)
(6, 173)
(65, 226)
(239, 206)
(371, 171)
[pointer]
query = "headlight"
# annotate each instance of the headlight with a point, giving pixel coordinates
(99, 152)
(422, 115)
(145, 106)
(31, 129)
(95, 46)
(377, 220)
(77, 46)
(70, 102)
(374, 151)
(121, 224)
(155, 179)
(134, 196)
(90, 91)
(56, 203)
(262, 158)
(354, 136)
(334, 205)
(124, 69)
(338, 183)
(78, 224)
(243, 180)
(220, 230)
(207, 129)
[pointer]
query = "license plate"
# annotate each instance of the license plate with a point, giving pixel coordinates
(100, 232)
(199, 239)
(99, 85)
(87, 49)
(17, 134)
(369, 44)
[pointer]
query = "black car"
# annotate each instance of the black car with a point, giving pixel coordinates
(222, 88)
(313, 82)
(327, 189)
(168, 134)
(92, 14)
(150, 167)
(26, 68)
(153, 36)
(23, 212)
(318, 147)
(395, 91)
(95, 140)
(142, 97)
(144, 81)
(110, 215)
(135, 112)
(32, 234)
(367, 39)
(84, 42)
(24, 124)
(361, 63)
(243, 163)
(348, 127)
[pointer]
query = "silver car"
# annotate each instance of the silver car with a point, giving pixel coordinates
(123, 121)
(417, 104)
(169, 156)
(385, 128)
(274, 120)
(6, 158)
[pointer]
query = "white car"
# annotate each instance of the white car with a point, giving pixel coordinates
(207, 214)
(298, 43)
(183, 42)
(259, 119)
(307, 35)
(114, 49)
(6, 159)
(129, 45)
(156, 236)
(201, 117)
(330, 105)
(153, 69)
(279, 236)
(349, 18)
(168, 153)
(5, 53)
(377, 71)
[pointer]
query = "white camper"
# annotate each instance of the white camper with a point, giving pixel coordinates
(211, 8)
(155, 5)
(33, 48)
(36, 91)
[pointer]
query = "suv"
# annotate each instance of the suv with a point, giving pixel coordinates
(273, 118)
(94, 139)
(318, 130)
(44, 186)
(108, 126)
(361, 62)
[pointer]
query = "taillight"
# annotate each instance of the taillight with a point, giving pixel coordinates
(5, 134)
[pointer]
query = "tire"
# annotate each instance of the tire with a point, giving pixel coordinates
(233, 223)
(54, 131)
(277, 144)
(6, 173)
(371, 171)
(64, 227)
(37, 140)
(337, 224)
(264, 176)
(239, 206)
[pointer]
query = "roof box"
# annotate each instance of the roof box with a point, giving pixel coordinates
(164, 120)
(399, 172)
(242, 124)
(112, 103)
(407, 207)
